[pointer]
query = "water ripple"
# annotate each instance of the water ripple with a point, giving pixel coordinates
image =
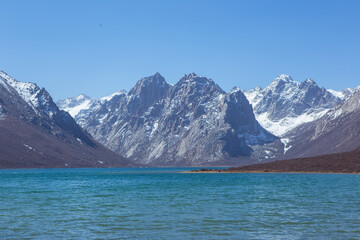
(163, 204)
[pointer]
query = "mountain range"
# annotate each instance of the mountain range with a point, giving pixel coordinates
(191, 123)
(195, 122)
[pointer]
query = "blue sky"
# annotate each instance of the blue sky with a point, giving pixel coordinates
(99, 47)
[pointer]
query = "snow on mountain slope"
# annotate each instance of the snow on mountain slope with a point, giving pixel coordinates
(81, 106)
(282, 126)
(193, 122)
(37, 98)
(339, 94)
(75, 104)
(286, 104)
(35, 133)
(108, 98)
(344, 94)
(337, 131)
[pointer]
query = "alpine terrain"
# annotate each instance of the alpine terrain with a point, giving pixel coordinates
(337, 131)
(286, 104)
(35, 133)
(193, 122)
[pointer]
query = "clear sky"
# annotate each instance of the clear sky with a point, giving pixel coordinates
(98, 47)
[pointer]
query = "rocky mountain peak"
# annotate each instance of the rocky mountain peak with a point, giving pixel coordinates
(83, 97)
(39, 135)
(308, 83)
(283, 83)
(193, 79)
(236, 95)
(73, 101)
(111, 96)
(193, 122)
(146, 92)
(37, 98)
(285, 103)
(188, 77)
(283, 78)
(146, 83)
(194, 85)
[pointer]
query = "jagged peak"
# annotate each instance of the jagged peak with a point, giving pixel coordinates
(235, 89)
(82, 97)
(339, 94)
(284, 78)
(194, 78)
(157, 74)
(309, 81)
(12, 81)
(253, 90)
(111, 96)
(74, 101)
(189, 76)
(309, 84)
(236, 96)
(154, 80)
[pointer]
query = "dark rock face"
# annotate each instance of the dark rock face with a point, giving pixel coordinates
(191, 123)
(36, 133)
(146, 92)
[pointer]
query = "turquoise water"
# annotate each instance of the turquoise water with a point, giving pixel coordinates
(160, 203)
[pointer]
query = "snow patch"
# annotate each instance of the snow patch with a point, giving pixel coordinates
(286, 142)
(29, 147)
(279, 128)
(73, 111)
(338, 94)
(108, 98)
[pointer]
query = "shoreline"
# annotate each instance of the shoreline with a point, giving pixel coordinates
(301, 172)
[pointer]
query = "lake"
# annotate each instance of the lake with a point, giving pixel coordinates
(162, 203)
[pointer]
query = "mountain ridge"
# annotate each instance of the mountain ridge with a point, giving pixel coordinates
(36, 133)
(286, 104)
(157, 121)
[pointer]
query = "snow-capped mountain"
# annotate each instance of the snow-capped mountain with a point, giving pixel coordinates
(344, 94)
(193, 122)
(337, 131)
(75, 104)
(81, 107)
(38, 99)
(36, 133)
(286, 104)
